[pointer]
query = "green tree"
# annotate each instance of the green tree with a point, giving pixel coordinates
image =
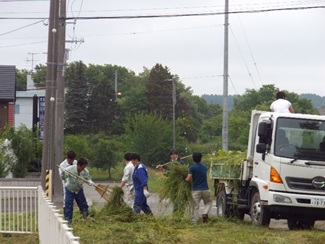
(134, 98)
(106, 154)
(262, 99)
(159, 88)
(149, 135)
(212, 123)
(21, 79)
(22, 142)
(7, 158)
(238, 130)
(251, 98)
(39, 75)
(76, 99)
(80, 144)
(102, 107)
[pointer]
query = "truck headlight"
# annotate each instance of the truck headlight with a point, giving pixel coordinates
(281, 199)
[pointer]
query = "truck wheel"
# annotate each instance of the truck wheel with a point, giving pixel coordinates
(259, 214)
(222, 207)
(299, 224)
(227, 211)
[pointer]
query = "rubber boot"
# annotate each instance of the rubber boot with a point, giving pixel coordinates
(205, 218)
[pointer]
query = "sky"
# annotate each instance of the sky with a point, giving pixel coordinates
(284, 47)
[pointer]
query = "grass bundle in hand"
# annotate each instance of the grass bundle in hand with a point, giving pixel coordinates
(176, 189)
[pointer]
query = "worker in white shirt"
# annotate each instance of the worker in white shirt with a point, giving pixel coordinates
(127, 180)
(70, 160)
(281, 105)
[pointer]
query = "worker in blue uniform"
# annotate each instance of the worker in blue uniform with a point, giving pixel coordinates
(140, 182)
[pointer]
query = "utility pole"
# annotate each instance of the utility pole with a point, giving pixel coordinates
(50, 92)
(173, 81)
(59, 115)
(225, 83)
(174, 116)
(116, 84)
(32, 60)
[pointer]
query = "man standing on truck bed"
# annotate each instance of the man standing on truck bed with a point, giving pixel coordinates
(281, 105)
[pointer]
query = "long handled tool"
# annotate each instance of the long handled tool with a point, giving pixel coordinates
(103, 190)
(162, 165)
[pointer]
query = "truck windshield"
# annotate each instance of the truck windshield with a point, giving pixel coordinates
(300, 138)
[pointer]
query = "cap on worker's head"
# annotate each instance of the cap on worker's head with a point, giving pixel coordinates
(173, 151)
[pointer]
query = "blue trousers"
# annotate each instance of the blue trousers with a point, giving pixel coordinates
(140, 203)
(81, 202)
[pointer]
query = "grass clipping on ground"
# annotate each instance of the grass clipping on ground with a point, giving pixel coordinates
(116, 208)
(175, 189)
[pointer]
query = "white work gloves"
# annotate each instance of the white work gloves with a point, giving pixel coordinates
(91, 183)
(146, 193)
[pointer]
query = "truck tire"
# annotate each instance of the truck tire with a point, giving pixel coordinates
(222, 207)
(260, 215)
(299, 224)
(225, 210)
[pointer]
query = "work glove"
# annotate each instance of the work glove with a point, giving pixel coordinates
(159, 166)
(91, 183)
(146, 193)
(62, 169)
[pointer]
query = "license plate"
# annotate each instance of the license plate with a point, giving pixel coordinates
(317, 202)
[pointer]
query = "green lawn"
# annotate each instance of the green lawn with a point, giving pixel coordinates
(150, 229)
(124, 226)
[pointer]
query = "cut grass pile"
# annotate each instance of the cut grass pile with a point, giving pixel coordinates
(175, 189)
(149, 229)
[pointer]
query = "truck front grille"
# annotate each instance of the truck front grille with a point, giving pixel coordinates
(303, 184)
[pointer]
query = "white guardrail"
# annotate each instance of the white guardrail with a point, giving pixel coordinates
(29, 210)
(18, 208)
(52, 228)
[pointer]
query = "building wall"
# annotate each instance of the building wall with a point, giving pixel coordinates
(11, 115)
(24, 112)
(3, 114)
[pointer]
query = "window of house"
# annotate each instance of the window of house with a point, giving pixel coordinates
(17, 108)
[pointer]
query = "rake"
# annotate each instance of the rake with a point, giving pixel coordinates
(103, 190)
(161, 165)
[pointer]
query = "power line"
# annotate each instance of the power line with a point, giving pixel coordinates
(171, 15)
(157, 31)
(20, 28)
(192, 14)
(23, 44)
(241, 54)
(250, 50)
(233, 86)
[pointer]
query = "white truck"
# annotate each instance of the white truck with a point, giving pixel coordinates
(283, 176)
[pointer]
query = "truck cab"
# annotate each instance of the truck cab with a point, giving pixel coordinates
(283, 176)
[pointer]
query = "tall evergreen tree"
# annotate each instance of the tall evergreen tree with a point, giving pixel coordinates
(159, 88)
(102, 107)
(76, 99)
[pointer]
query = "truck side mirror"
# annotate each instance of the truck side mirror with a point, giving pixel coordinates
(262, 129)
(261, 148)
